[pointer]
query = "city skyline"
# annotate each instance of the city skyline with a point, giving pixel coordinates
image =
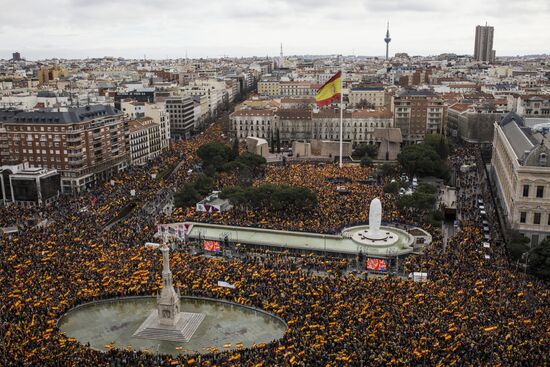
(132, 29)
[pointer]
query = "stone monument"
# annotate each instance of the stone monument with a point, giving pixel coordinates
(375, 219)
(167, 322)
(375, 235)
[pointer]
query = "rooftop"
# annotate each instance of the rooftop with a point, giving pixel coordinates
(252, 112)
(371, 88)
(70, 116)
(417, 93)
(531, 148)
(294, 114)
(140, 124)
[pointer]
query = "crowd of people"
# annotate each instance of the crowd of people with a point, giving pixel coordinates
(471, 311)
(343, 195)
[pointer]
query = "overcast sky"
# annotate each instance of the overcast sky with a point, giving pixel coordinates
(212, 28)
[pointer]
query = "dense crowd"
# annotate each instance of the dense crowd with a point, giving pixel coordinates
(342, 196)
(472, 311)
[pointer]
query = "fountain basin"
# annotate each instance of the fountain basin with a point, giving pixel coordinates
(110, 323)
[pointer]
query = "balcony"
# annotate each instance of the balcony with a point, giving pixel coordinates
(74, 138)
(75, 154)
(76, 162)
(75, 146)
(74, 131)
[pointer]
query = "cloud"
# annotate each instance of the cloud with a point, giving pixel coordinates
(403, 5)
(161, 28)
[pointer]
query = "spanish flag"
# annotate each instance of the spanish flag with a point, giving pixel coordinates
(330, 91)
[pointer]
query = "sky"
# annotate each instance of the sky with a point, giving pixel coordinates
(161, 29)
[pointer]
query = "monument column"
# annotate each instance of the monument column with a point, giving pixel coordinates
(167, 322)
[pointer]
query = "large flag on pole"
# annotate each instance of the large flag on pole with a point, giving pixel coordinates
(330, 91)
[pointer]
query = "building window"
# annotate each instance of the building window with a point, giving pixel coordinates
(540, 191)
(536, 218)
(525, 191)
(522, 217)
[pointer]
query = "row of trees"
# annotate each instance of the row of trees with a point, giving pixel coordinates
(275, 141)
(536, 259)
(272, 197)
(422, 199)
(217, 157)
(426, 159)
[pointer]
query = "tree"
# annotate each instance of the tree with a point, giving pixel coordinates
(236, 196)
(364, 149)
(391, 188)
(387, 169)
(187, 196)
(417, 200)
(273, 142)
(253, 161)
(517, 245)
(214, 154)
(516, 249)
(539, 260)
(234, 149)
(426, 188)
(252, 164)
(366, 161)
(272, 197)
(422, 160)
(440, 144)
(203, 184)
(278, 140)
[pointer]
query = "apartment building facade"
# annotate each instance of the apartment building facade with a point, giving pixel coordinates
(85, 144)
(418, 113)
(373, 97)
(521, 172)
(145, 140)
(181, 111)
(306, 125)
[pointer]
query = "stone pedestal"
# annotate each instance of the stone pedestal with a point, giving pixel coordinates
(182, 331)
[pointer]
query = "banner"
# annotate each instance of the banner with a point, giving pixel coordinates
(225, 284)
(376, 264)
(212, 246)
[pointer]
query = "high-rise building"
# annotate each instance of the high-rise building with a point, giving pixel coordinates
(181, 111)
(16, 56)
(484, 44)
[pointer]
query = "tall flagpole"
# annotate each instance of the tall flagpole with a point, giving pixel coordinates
(341, 113)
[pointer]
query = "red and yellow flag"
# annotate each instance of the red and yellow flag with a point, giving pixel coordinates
(330, 91)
